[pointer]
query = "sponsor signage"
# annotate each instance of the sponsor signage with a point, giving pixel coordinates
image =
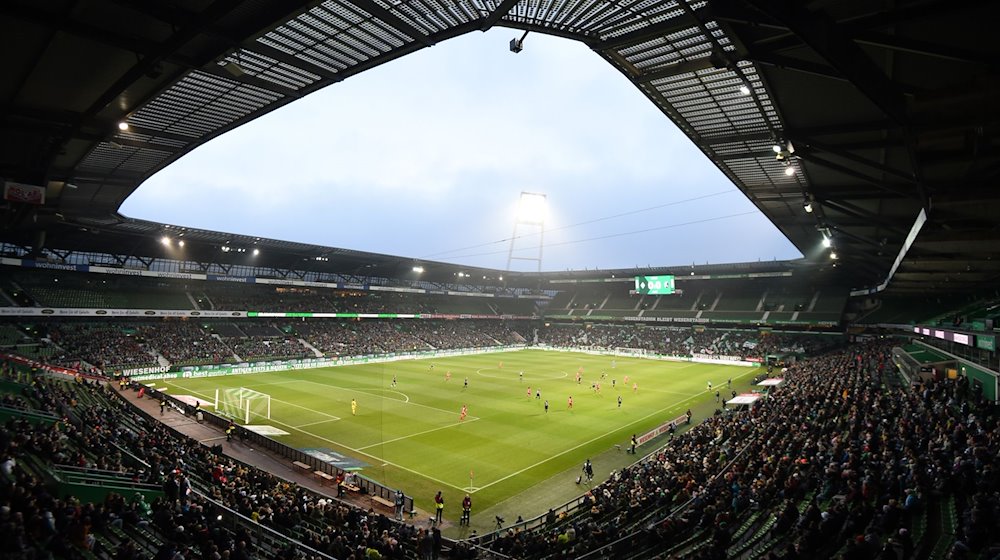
(21, 192)
(90, 312)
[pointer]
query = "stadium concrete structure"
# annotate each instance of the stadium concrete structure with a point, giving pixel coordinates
(872, 126)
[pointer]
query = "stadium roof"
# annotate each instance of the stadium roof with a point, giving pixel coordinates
(890, 107)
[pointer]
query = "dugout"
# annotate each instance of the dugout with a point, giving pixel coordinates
(922, 363)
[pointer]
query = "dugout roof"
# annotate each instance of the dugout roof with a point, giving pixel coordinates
(891, 107)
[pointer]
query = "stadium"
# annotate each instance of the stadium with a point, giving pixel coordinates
(174, 392)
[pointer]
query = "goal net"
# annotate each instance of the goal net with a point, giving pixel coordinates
(243, 404)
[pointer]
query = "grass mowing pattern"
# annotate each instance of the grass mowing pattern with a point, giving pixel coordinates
(412, 438)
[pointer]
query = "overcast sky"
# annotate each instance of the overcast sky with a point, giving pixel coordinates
(426, 157)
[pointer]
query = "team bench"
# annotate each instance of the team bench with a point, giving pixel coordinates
(387, 503)
(325, 478)
(301, 466)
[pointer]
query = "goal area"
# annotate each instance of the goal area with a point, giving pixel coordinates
(243, 404)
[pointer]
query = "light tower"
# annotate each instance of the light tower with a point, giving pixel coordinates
(531, 210)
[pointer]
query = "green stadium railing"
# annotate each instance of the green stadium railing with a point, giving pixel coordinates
(33, 416)
(291, 454)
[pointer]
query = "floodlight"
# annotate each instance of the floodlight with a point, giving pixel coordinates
(776, 148)
(418, 269)
(256, 252)
(807, 206)
(123, 125)
(225, 248)
(833, 255)
(532, 208)
(180, 243)
(165, 240)
(500, 279)
(789, 171)
(826, 242)
(744, 90)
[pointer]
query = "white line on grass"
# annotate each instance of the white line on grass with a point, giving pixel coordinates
(314, 423)
(543, 461)
(359, 452)
(374, 394)
(330, 416)
(480, 373)
(374, 457)
(471, 419)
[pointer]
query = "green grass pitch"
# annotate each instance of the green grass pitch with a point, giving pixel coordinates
(411, 435)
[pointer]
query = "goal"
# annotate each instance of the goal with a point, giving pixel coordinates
(243, 404)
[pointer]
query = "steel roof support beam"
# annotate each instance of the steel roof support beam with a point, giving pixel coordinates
(684, 67)
(907, 45)
(800, 142)
(881, 185)
(392, 20)
(796, 65)
(866, 217)
(833, 45)
(665, 27)
(496, 15)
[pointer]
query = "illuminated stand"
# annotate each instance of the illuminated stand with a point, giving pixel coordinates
(530, 214)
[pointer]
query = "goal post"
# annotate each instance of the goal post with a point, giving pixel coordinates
(243, 404)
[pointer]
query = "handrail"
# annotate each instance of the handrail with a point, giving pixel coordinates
(567, 507)
(597, 552)
(253, 526)
(370, 487)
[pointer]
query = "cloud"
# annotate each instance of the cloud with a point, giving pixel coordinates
(428, 154)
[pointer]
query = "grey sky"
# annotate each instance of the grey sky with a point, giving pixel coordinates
(426, 157)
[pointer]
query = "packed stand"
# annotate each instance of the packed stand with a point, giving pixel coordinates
(192, 476)
(264, 348)
(105, 346)
(832, 464)
(185, 343)
(685, 341)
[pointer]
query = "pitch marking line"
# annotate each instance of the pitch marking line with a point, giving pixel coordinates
(314, 423)
(534, 377)
(330, 416)
(651, 414)
(471, 419)
(359, 452)
(374, 394)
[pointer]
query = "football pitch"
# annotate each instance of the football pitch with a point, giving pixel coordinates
(411, 435)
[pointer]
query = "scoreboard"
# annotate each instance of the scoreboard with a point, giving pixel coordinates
(654, 285)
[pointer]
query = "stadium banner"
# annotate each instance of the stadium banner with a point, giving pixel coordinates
(679, 277)
(701, 359)
(93, 312)
(207, 314)
(321, 315)
(661, 429)
(21, 192)
(193, 372)
(27, 263)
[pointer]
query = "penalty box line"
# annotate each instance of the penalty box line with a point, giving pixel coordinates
(359, 452)
(471, 419)
(330, 417)
(374, 393)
